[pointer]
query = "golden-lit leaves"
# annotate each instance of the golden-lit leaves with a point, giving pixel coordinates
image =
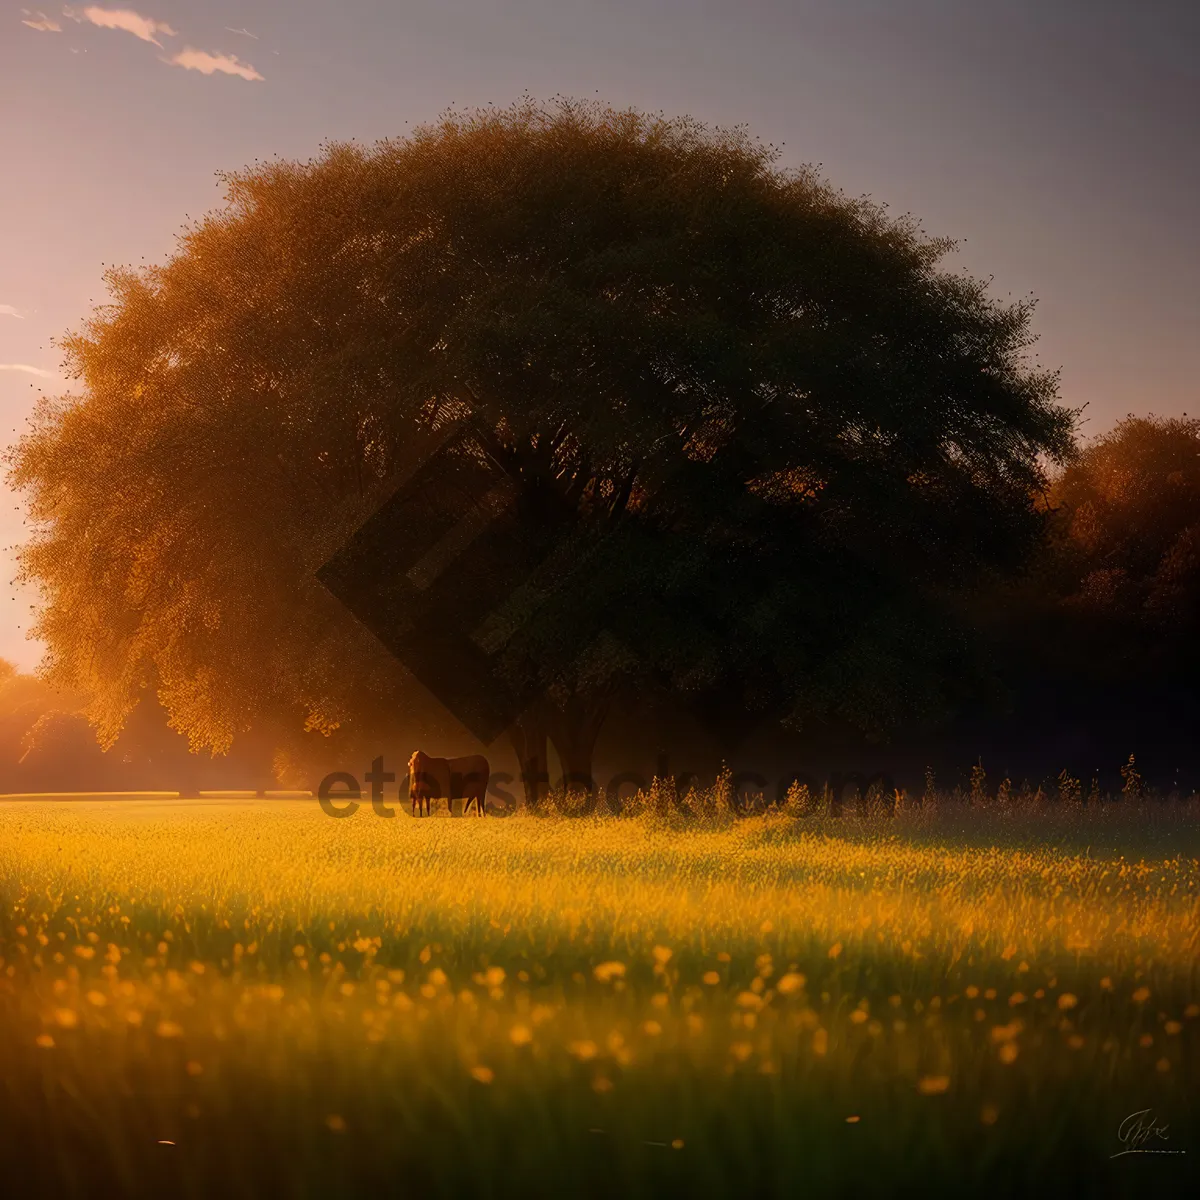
(242, 405)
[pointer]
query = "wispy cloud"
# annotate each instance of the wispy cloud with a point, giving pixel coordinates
(208, 64)
(149, 29)
(124, 19)
(7, 310)
(38, 20)
(38, 371)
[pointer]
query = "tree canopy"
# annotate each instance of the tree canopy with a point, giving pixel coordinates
(788, 436)
(1120, 571)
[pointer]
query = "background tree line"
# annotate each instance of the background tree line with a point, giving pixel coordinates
(814, 482)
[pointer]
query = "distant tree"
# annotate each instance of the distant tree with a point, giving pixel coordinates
(787, 436)
(46, 742)
(24, 699)
(60, 752)
(1123, 559)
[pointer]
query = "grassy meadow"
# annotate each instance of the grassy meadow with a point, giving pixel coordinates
(251, 999)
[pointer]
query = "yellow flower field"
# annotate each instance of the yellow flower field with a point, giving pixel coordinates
(255, 999)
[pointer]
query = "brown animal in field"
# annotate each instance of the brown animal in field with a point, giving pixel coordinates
(448, 779)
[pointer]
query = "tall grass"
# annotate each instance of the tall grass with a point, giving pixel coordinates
(256, 1000)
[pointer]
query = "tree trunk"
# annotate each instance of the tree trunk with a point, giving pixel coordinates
(528, 736)
(574, 730)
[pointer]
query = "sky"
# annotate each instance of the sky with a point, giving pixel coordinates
(1057, 140)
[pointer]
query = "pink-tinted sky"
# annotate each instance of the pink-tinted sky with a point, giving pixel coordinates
(1057, 138)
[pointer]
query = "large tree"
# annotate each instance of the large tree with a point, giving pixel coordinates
(787, 438)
